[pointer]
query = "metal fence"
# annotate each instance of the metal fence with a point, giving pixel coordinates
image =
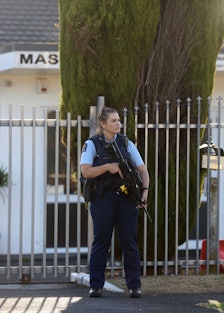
(45, 227)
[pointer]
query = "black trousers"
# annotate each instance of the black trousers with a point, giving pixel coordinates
(113, 209)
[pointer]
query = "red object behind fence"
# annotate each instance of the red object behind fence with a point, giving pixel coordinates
(221, 254)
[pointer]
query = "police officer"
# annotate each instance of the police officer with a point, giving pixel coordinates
(110, 207)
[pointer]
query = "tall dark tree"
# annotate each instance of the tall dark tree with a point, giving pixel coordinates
(182, 64)
(102, 46)
(134, 52)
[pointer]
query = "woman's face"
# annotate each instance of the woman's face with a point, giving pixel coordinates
(112, 126)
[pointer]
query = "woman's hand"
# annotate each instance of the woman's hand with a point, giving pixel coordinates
(114, 168)
(144, 199)
(89, 171)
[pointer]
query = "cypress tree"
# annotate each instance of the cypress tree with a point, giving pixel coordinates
(102, 45)
(134, 52)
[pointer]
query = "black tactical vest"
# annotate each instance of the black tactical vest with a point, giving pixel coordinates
(108, 181)
(102, 156)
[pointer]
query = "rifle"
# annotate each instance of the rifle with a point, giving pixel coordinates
(132, 180)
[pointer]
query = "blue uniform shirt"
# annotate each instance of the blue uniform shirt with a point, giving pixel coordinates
(89, 153)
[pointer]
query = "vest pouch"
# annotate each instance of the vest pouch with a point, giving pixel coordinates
(87, 188)
(111, 182)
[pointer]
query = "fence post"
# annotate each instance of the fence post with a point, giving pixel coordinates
(213, 211)
(100, 104)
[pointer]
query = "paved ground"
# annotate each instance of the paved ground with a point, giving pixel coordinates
(170, 294)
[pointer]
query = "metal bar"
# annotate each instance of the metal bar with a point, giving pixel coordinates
(218, 185)
(21, 193)
(208, 185)
(146, 106)
(136, 109)
(56, 193)
(167, 188)
(156, 189)
(79, 193)
(33, 179)
(99, 105)
(45, 194)
(67, 208)
(9, 196)
(92, 130)
(182, 126)
(87, 124)
(198, 183)
(125, 113)
(187, 183)
(177, 185)
(41, 122)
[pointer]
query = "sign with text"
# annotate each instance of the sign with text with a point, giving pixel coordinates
(29, 60)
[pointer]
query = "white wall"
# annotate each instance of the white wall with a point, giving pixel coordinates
(17, 89)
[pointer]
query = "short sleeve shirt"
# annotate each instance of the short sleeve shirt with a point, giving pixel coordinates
(89, 153)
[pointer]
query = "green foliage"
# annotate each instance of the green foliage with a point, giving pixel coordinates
(3, 180)
(199, 78)
(3, 177)
(102, 46)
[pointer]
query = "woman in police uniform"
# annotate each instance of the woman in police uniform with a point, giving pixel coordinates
(110, 207)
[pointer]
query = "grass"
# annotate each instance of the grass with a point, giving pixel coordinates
(214, 304)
